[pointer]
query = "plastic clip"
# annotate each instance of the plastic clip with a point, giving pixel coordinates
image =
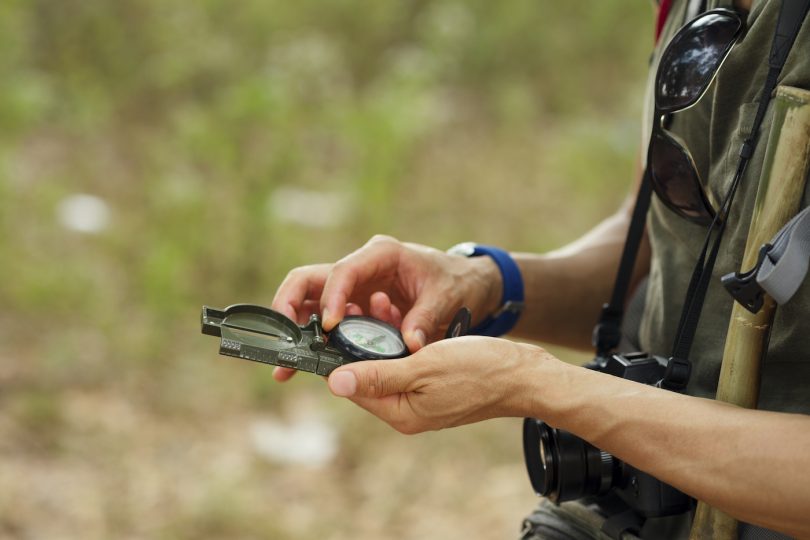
(744, 287)
(607, 334)
(676, 375)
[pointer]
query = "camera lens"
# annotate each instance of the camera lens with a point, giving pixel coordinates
(563, 467)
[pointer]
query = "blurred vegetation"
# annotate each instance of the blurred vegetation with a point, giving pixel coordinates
(232, 142)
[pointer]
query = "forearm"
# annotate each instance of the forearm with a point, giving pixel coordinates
(565, 289)
(750, 464)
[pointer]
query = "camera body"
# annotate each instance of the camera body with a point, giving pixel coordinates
(564, 467)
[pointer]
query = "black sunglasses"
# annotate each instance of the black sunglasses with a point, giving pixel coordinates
(687, 68)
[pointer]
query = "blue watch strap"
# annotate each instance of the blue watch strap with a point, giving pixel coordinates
(505, 318)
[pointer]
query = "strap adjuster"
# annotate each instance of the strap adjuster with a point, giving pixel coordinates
(510, 306)
(607, 334)
(676, 374)
(744, 287)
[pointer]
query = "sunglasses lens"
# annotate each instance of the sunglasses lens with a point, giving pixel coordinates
(675, 180)
(693, 57)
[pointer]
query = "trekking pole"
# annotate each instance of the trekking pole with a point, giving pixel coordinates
(778, 198)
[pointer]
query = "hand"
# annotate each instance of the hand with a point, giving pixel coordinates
(448, 383)
(385, 279)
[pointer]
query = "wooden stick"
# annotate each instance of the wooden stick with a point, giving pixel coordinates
(778, 198)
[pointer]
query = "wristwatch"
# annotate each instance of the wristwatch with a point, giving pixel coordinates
(505, 317)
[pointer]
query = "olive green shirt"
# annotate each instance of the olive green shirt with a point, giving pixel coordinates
(713, 131)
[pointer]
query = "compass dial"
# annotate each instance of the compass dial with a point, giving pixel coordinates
(365, 338)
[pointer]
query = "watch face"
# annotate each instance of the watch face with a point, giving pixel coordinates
(367, 339)
(465, 249)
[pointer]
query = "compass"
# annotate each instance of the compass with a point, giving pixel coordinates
(365, 338)
(260, 334)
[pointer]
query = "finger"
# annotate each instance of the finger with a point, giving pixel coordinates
(386, 408)
(372, 378)
(394, 410)
(424, 319)
(379, 307)
(282, 374)
(353, 309)
(376, 260)
(307, 309)
(304, 283)
(396, 316)
(311, 307)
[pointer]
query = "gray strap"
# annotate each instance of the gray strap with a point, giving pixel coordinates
(780, 269)
(785, 265)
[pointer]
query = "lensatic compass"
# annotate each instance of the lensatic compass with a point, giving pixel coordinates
(261, 334)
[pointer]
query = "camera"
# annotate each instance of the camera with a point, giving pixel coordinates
(563, 467)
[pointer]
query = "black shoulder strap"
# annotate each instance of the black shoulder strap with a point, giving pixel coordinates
(607, 333)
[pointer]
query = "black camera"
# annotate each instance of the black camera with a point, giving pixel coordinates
(563, 467)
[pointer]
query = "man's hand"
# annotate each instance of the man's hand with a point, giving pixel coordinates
(413, 287)
(448, 383)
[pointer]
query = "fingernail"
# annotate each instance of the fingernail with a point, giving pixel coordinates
(343, 383)
(419, 334)
(325, 316)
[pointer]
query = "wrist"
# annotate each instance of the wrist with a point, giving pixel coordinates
(487, 287)
(525, 390)
(503, 319)
(545, 387)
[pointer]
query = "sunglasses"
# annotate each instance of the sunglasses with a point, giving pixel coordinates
(687, 68)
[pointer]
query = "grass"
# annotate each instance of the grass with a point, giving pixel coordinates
(435, 121)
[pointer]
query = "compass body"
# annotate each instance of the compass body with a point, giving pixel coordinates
(260, 334)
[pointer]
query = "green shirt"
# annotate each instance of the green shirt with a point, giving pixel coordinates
(713, 131)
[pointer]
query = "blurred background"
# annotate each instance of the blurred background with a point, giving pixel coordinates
(158, 155)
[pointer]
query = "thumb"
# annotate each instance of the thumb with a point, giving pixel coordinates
(371, 379)
(423, 320)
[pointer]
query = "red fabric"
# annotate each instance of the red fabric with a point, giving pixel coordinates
(663, 11)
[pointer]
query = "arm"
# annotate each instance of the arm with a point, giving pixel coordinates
(713, 451)
(750, 464)
(582, 274)
(419, 288)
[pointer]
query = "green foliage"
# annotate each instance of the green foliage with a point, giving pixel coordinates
(40, 421)
(199, 123)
